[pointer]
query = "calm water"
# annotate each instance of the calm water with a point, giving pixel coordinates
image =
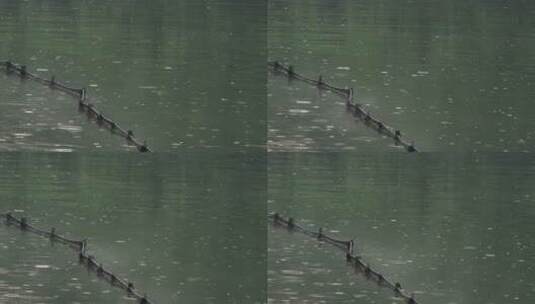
(184, 228)
(451, 75)
(303, 119)
(180, 74)
(33, 271)
(302, 270)
(451, 229)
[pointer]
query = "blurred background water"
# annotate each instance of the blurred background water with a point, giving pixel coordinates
(186, 228)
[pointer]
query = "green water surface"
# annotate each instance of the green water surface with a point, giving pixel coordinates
(183, 229)
(449, 228)
(451, 75)
(180, 74)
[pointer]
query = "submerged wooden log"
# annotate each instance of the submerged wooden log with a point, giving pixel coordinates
(84, 258)
(82, 98)
(351, 258)
(348, 94)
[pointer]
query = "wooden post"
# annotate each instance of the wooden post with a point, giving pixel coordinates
(81, 257)
(320, 81)
(130, 287)
(100, 270)
(23, 72)
(380, 279)
(291, 223)
(380, 125)
(23, 223)
(83, 246)
(143, 147)
(397, 289)
(367, 270)
(291, 72)
(83, 94)
(144, 300)
(130, 134)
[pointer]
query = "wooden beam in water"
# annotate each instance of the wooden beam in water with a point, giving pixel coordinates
(348, 95)
(84, 258)
(348, 248)
(83, 101)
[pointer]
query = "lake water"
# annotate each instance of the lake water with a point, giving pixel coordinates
(186, 228)
(451, 75)
(180, 74)
(450, 228)
(188, 75)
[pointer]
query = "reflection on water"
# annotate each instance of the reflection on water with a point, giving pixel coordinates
(453, 75)
(451, 229)
(184, 228)
(181, 74)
